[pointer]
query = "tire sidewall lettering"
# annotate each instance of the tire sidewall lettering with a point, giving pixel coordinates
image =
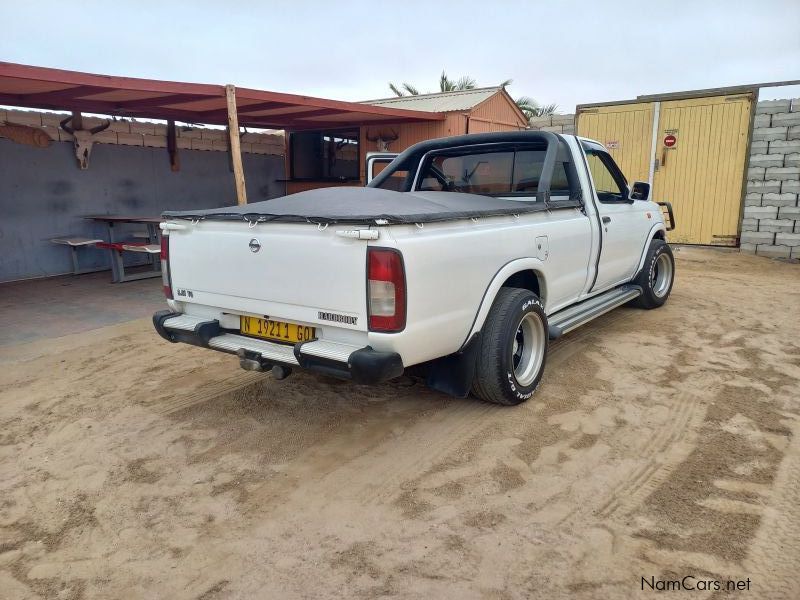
(652, 270)
(529, 305)
(656, 250)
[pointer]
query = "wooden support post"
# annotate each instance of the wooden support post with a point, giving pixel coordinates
(235, 145)
(172, 147)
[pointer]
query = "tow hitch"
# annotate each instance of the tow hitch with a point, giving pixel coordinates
(252, 361)
(280, 372)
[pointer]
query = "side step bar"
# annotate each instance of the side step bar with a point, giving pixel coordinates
(573, 317)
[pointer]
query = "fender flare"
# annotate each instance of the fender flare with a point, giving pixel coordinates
(653, 230)
(506, 271)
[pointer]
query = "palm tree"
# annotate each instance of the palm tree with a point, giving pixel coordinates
(531, 108)
(445, 85)
(527, 105)
(403, 89)
(464, 82)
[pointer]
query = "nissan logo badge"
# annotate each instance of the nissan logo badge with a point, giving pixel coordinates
(255, 245)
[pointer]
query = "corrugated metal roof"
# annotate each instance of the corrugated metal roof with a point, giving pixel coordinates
(440, 102)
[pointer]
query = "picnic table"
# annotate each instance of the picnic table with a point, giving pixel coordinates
(116, 247)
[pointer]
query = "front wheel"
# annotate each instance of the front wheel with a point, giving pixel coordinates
(513, 348)
(657, 275)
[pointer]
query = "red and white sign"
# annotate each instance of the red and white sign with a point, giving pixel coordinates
(670, 140)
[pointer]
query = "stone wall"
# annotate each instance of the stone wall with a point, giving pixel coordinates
(771, 220)
(131, 132)
(557, 123)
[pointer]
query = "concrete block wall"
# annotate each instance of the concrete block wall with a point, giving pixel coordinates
(130, 132)
(771, 218)
(557, 123)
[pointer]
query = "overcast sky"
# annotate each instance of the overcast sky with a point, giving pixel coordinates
(561, 52)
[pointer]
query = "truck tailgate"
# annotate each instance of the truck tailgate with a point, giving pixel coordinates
(293, 271)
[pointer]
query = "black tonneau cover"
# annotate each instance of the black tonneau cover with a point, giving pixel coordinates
(363, 205)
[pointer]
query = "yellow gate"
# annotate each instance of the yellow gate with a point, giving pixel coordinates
(692, 151)
(626, 130)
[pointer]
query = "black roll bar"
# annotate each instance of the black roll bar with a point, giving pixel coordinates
(546, 178)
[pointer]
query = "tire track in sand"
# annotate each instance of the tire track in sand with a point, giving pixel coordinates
(774, 555)
(429, 443)
(207, 392)
(375, 475)
(432, 441)
(663, 453)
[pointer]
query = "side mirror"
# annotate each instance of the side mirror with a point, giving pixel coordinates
(640, 190)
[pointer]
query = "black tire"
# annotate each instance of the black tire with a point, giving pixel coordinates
(656, 277)
(513, 311)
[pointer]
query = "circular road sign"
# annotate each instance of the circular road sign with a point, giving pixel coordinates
(670, 140)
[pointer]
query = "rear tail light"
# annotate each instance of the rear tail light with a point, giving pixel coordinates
(165, 279)
(386, 292)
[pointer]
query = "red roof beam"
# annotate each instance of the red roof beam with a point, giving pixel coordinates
(107, 108)
(243, 110)
(316, 125)
(108, 81)
(168, 100)
(407, 115)
(78, 91)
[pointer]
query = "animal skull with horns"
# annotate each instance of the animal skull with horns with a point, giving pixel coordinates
(83, 140)
(383, 139)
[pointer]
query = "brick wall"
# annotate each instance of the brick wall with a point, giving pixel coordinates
(771, 220)
(557, 123)
(129, 132)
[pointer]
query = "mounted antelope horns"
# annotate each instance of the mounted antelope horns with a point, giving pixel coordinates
(83, 140)
(64, 126)
(93, 130)
(383, 136)
(101, 127)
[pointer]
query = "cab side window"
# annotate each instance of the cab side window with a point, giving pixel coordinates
(608, 179)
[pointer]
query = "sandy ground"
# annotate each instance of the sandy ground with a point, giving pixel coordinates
(661, 443)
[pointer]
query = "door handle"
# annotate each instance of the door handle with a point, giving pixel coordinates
(606, 219)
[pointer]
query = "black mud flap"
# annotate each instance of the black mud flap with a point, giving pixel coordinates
(453, 374)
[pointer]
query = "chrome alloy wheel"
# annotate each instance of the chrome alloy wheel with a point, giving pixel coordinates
(528, 348)
(661, 275)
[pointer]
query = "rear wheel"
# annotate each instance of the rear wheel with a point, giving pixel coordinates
(513, 348)
(657, 275)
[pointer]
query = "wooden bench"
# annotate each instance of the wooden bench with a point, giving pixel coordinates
(118, 265)
(146, 248)
(75, 244)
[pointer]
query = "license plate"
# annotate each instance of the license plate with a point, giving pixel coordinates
(275, 330)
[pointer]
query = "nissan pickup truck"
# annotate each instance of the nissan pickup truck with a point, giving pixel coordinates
(462, 259)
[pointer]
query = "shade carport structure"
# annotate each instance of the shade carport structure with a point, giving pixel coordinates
(227, 105)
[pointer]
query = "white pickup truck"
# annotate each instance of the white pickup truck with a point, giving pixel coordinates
(463, 256)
